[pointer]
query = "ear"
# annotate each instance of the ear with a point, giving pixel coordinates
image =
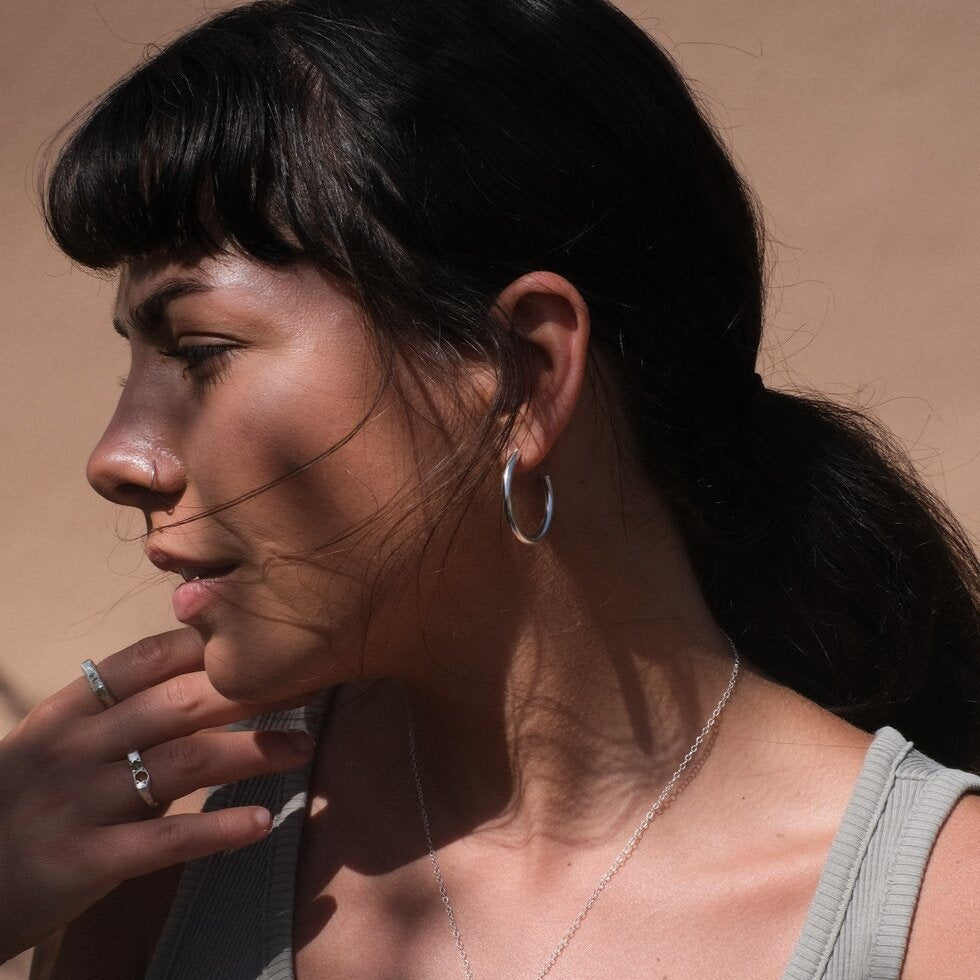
(549, 314)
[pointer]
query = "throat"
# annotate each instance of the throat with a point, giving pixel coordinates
(392, 791)
(538, 780)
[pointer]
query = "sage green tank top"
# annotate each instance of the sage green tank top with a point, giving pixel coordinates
(232, 918)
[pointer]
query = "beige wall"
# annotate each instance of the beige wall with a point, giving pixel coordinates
(855, 122)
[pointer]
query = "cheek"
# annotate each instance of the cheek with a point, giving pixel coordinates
(289, 419)
(331, 554)
(325, 537)
(339, 480)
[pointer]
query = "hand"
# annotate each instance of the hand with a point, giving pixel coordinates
(72, 826)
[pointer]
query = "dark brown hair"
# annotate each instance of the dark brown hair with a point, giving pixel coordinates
(428, 152)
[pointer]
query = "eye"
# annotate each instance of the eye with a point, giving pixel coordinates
(202, 361)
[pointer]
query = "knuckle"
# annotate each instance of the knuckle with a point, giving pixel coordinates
(49, 714)
(173, 835)
(45, 737)
(149, 654)
(226, 823)
(183, 695)
(186, 757)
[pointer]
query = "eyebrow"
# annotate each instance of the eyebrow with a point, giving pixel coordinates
(148, 316)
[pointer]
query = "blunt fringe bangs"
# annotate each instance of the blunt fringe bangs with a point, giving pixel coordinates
(196, 151)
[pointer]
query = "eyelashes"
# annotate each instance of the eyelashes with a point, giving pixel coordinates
(203, 362)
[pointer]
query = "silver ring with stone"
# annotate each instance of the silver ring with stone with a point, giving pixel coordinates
(98, 685)
(141, 779)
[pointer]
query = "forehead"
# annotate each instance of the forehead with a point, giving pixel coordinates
(140, 280)
(299, 298)
(147, 287)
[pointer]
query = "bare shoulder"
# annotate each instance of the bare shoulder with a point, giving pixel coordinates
(795, 734)
(946, 927)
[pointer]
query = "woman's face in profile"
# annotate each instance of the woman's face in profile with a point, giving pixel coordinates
(242, 374)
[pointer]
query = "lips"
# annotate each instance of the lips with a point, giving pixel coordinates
(201, 586)
(188, 568)
(197, 596)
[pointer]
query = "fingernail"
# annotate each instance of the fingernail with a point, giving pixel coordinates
(264, 819)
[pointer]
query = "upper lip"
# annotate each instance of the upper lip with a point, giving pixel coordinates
(189, 568)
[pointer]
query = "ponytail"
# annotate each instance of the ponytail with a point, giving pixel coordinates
(840, 574)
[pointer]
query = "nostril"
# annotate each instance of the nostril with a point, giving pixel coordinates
(140, 496)
(124, 493)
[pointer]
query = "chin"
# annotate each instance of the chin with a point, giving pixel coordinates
(252, 668)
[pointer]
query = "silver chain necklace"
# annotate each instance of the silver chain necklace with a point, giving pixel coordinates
(621, 858)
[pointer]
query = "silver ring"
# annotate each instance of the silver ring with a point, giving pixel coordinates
(98, 685)
(141, 778)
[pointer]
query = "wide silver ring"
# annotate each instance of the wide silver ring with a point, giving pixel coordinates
(98, 685)
(141, 778)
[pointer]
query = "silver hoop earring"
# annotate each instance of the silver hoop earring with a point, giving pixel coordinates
(509, 509)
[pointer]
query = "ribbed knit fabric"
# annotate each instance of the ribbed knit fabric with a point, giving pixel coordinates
(858, 923)
(232, 918)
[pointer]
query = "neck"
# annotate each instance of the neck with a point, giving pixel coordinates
(610, 670)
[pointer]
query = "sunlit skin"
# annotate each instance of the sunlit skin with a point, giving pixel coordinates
(554, 687)
(311, 600)
(286, 374)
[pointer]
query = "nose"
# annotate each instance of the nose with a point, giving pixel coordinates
(134, 469)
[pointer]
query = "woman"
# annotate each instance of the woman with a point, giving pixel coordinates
(378, 263)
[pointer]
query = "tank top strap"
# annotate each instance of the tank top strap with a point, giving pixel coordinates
(859, 919)
(232, 917)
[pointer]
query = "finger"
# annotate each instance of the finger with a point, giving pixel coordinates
(206, 759)
(143, 664)
(149, 661)
(133, 849)
(178, 707)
